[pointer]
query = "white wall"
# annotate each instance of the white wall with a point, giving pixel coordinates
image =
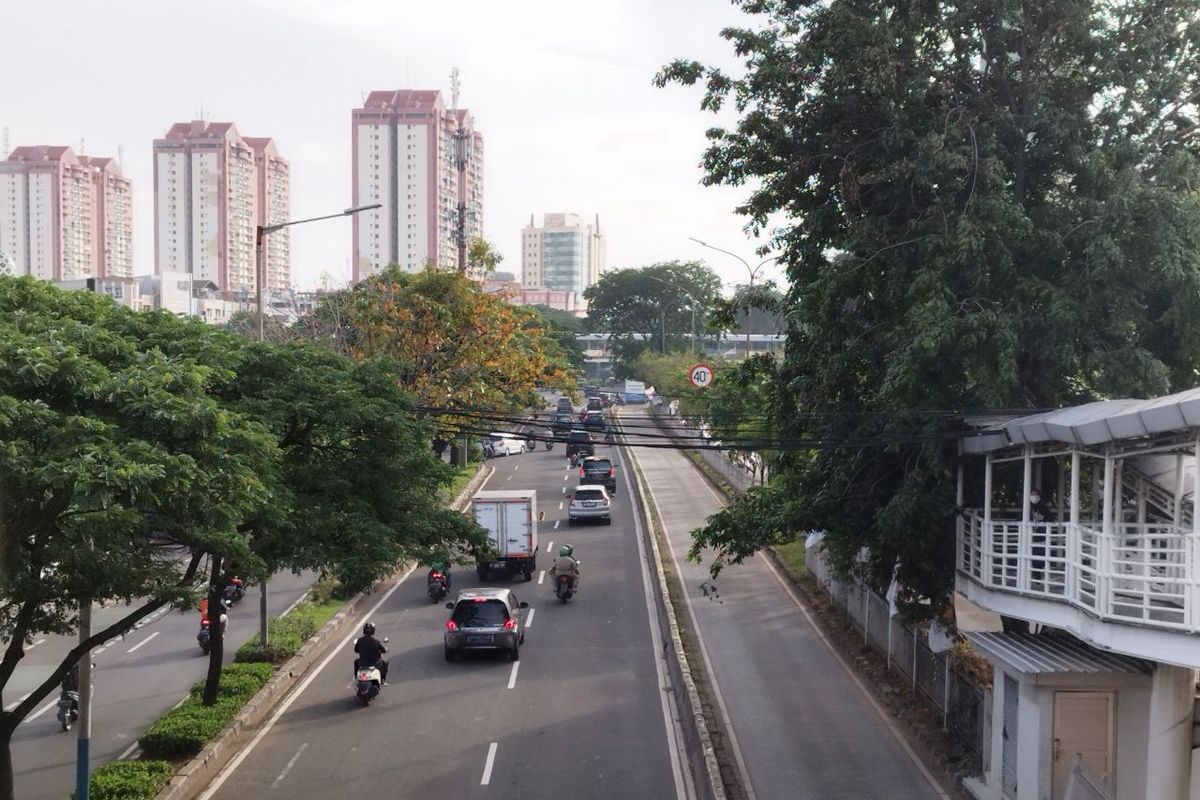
(413, 151)
(13, 242)
(205, 217)
(374, 166)
(172, 225)
(41, 222)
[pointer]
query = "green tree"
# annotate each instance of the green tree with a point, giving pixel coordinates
(115, 461)
(987, 205)
(562, 327)
(651, 307)
(754, 309)
(482, 257)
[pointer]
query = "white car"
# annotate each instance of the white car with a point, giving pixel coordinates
(507, 444)
(590, 501)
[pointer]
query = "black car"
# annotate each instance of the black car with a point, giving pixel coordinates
(594, 404)
(599, 470)
(580, 442)
(594, 421)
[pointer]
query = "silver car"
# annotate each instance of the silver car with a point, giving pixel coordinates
(590, 501)
(485, 619)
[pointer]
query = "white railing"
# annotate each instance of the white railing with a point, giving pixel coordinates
(1144, 573)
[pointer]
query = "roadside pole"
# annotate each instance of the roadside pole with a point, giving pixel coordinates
(83, 743)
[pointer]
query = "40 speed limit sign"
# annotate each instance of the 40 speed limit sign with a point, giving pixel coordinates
(701, 376)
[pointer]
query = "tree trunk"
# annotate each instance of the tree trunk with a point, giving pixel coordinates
(7, 727)
(216, 634)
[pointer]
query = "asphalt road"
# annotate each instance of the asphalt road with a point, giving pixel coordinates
(803, 729)
(136, 680)
(581, 715)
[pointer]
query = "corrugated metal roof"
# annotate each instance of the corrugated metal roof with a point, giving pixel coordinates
(1054, 653)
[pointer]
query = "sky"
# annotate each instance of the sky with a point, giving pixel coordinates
(561, 91)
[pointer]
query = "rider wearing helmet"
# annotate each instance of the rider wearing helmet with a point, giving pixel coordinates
(566, 564)
(370, 653)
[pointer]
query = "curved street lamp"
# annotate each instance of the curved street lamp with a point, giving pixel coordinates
(753, 271)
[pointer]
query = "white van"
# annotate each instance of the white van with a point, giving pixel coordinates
(506, 444)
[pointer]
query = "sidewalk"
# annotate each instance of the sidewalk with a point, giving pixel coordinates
(800, 726)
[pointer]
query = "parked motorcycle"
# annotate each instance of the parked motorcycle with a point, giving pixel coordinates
(437, 586)
(367, 683)
(563, 589)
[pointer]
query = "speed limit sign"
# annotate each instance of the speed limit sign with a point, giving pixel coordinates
(701, 376)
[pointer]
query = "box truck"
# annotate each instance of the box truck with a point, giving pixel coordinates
(511, 518)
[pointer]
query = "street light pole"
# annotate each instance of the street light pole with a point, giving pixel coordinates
(261, 234)
(753, 275)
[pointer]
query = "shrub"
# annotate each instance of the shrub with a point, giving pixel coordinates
(284, 635)
(183, 731)
(129, 780)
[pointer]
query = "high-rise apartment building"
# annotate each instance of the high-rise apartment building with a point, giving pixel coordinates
(565, 253)
(64, 217)
(212, 187)
(404, 157)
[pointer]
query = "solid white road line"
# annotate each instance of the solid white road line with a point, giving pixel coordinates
(143, 642)
(684, 785)
(40, 711)
(529, 619)
(487, 765)
(237, 760)
(541, 578)
(36, 643)
(712, 676)
(128, 751)
(291, 763)
(512, 678)
(21, 699)
(292, 607)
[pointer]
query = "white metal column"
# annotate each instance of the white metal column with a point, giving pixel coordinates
(1073, 533)
(1168, 745)
(985, 535)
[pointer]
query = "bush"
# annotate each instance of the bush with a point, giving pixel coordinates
(284, 638)
(129, 780)
(182, 732)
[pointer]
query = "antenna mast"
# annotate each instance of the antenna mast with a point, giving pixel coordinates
(460, 161)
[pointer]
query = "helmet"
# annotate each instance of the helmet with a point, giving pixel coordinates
(369, 629)
(566, 550)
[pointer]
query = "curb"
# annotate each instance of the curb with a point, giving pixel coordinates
(712, 769)
(193, 778)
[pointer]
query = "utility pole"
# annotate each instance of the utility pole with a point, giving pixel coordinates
(460, 162)
(84, 743)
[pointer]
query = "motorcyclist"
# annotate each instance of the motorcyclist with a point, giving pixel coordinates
(370, 653)
(441, 565)
(566, 564)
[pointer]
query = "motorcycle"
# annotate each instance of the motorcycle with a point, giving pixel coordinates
(234, 591)
(563, 589)
(367, 683)
(68, 708)
(549, 444)
(204, 637)
(437, 587)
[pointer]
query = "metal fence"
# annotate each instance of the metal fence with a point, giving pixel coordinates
(934, 679)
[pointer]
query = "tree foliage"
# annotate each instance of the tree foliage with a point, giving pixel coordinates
(562, 327)
(654, 302)
(987, 205)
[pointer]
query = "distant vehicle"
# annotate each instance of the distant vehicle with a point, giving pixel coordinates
(485, 619)
(594, 421)
(507, 444)
(591, 391)
(599, 470)
(635, 392)
(565, 405)
(590, 501)
(510, 519)
(580, 442)
(563, 422)
(594, 404)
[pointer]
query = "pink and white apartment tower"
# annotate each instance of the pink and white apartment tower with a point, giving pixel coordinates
(63, 216)
(403, 152)
(212, 187)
